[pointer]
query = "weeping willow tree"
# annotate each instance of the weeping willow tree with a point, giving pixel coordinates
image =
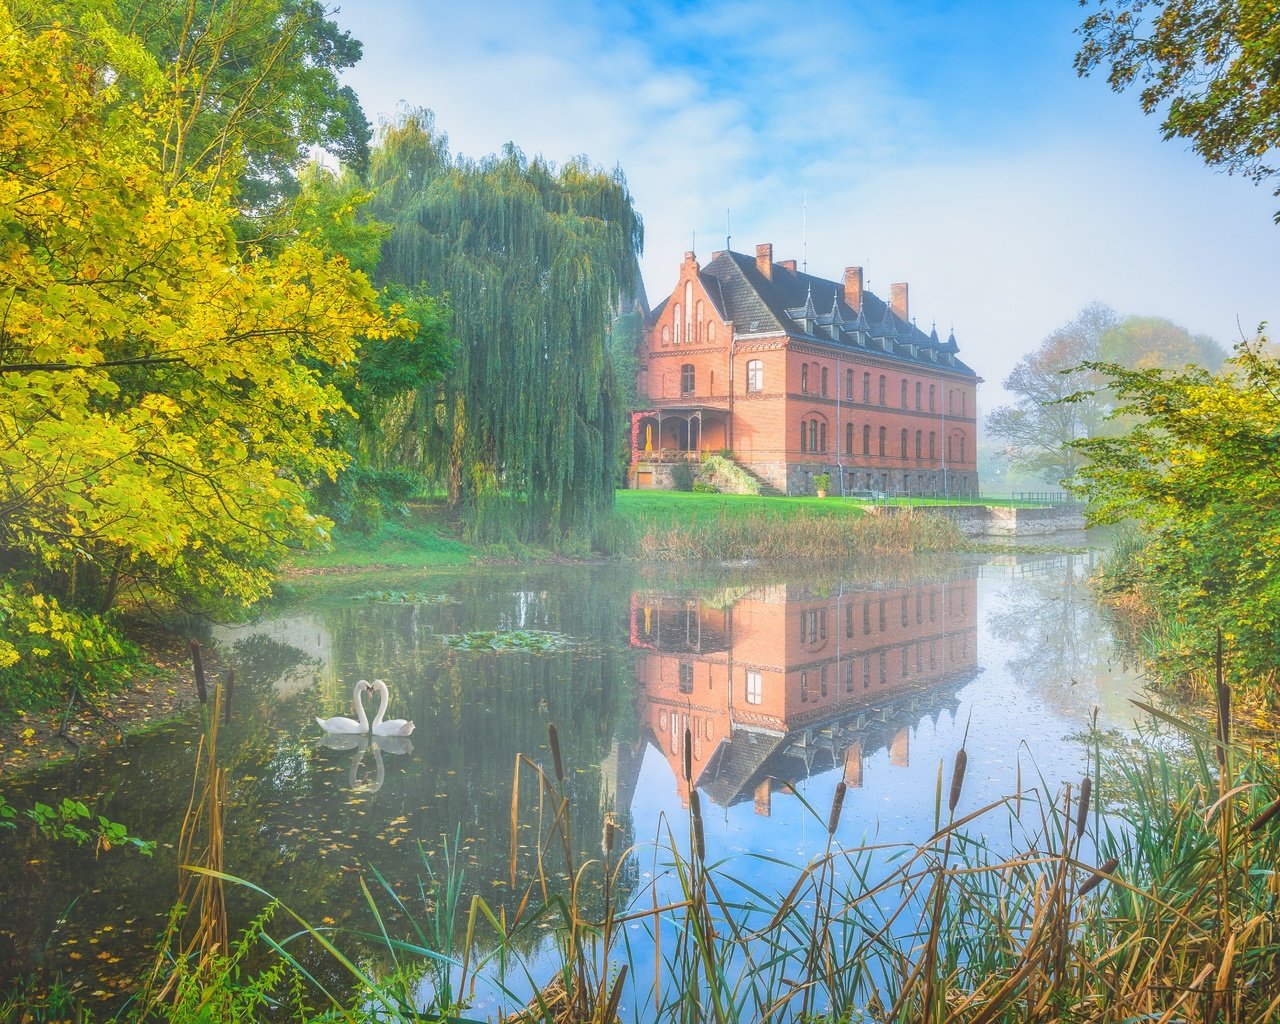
(535, 260)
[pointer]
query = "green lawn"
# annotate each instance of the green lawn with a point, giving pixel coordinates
(689, 506)
(419, 541)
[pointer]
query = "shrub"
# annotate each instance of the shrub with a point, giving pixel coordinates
(702, 487)
(45, 648)
(822, 482)
(682, 476)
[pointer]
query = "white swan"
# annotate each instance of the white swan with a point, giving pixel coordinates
(394, 727)
(359, 724)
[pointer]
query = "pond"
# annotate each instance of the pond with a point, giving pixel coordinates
(781, 684)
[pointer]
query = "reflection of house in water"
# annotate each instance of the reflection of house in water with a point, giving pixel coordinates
(783, 681)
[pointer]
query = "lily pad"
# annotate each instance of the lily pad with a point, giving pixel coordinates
(537, 640)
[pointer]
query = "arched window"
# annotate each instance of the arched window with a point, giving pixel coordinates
(822, 439)
(904, 392)
(962, 448)
(949, 458)
(933, 454)
(931, 390)
(711, 332)
(848, 385)
(688, 312)
(804, 378)
(883, 437)
(676, 319)
(755, 375)
(813, 435)
(866, 439)
(866, 388)
(666, 334)
(917, 396)
(919, 444)
(904, 446)
(686, 379)
(964, 403)
(882, 384)
(823, 385)
(848, 438)
(697, 320)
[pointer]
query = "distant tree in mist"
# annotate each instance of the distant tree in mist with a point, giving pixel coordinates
(1061, 401)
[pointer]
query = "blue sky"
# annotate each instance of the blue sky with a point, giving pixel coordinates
(946, 144)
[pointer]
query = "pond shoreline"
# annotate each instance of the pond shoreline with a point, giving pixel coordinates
(162, 691)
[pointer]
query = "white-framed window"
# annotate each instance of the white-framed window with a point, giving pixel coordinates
(755, 375)
(755, 687)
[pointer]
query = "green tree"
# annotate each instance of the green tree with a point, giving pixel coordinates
(534, 260)
(162, 394)
(1199, 471)
(250, 86)
(1209, 67)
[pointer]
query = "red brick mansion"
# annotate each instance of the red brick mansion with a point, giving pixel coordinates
(796, 376)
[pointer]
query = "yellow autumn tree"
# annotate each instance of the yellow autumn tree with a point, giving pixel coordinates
(162, 394)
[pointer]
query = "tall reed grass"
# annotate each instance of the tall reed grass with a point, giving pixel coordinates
(812, 537)
(1149, 893)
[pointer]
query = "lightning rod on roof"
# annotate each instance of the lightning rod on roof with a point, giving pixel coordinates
(804, 246)
(727, 237)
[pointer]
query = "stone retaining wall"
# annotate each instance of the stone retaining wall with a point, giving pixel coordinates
(1002, 521)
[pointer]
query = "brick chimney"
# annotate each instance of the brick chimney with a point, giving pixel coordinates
(898, 301)
(788, 265)
(764, 259)
(853, 287)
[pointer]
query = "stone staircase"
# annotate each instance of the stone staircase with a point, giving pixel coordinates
(766, 489)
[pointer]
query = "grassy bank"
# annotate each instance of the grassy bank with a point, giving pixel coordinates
(674, 526)
(655, 526)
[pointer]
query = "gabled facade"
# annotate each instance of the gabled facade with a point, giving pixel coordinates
(796, 376)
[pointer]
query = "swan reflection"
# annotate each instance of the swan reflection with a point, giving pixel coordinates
(360, 744)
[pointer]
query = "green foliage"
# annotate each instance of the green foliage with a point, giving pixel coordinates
(1197, 473)
(822, 482)
(220, 987)
(535, 260)
(1208, 67)
(253, 86)
(702, 487)
(68, 820)
(162, 394)
(681, 476)
(46, 649)
(727, 475)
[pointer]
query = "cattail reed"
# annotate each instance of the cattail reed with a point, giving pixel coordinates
(554, 740)
(1223, 692)
(957, 779)
(837, 803)
(1265, 816)
(1082, 811)
(688, 756)
(229, 690)
(1098, 877)
(198, 664)
(609, 834)
(699, 839)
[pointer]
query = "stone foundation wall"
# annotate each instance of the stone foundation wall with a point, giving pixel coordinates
(1001, 521)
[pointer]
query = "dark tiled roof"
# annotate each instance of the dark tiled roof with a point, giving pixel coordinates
(786, 304)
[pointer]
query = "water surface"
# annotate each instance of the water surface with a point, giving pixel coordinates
(783, 683)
